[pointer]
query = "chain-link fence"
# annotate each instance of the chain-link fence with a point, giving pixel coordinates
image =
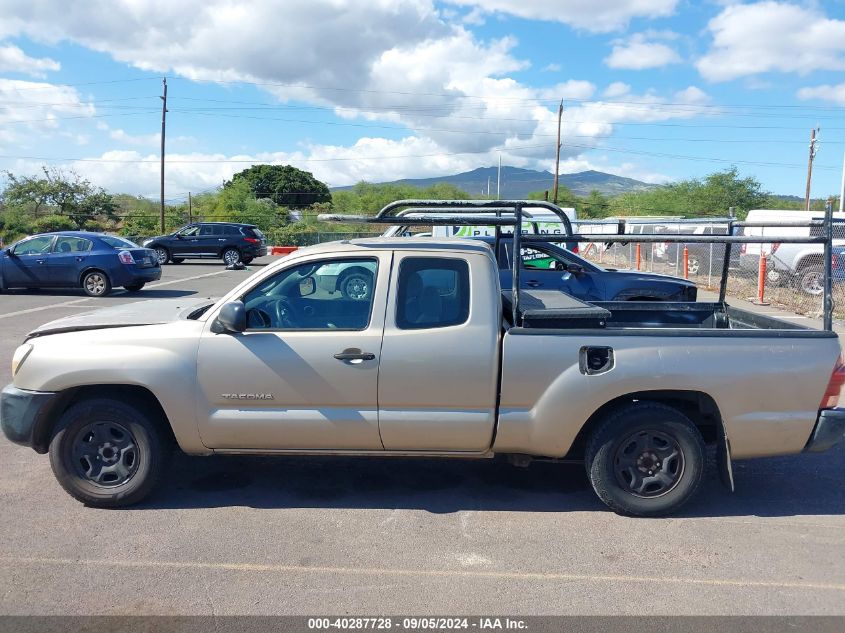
(791, 276)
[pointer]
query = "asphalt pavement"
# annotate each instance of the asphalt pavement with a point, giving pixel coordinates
(260, 535)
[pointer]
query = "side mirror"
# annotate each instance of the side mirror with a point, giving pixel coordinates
(307, 287)
(575, 269)
(232, 318)
(9, 251)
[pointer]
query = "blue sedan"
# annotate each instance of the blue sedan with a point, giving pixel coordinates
(77, 259)
(549, 267)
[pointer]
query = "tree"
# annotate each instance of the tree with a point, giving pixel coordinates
(282, 184)
(60, 193)
(369, 198)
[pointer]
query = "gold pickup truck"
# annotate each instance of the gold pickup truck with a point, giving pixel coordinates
(414, 355)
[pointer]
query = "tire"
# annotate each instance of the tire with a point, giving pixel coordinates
(231, 256)
(652, 438)
(356, 284)
(134, 287)
(162, 254)
(120, 435)
(96, 283)
(177, 260)
(811, 280)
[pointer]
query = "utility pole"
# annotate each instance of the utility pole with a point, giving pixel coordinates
(488, 186)
(842, 189)
(813, 151)
(557, 151)
(163, 121)
(190, 214)
(499, 179)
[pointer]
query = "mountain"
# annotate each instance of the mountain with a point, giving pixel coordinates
(517, 183)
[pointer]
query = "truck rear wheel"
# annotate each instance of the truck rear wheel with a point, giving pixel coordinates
(645, 459)
(107, 453)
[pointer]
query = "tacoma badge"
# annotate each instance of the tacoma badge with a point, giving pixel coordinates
(247, 396)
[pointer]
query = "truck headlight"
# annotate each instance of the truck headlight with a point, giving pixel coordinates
(20, 356)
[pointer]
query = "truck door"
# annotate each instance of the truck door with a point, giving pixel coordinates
(304, 374)
(439, 358)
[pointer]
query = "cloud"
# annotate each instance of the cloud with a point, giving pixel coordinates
(394, 62)
(14, 60)
(28, 107)
(827, 92)
(616, 89)
(598, 16)
(552, 68)
(638, 53)
(749, 39)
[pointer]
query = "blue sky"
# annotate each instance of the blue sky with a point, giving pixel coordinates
(384, 89)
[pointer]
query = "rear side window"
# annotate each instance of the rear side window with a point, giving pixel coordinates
(70, 244)
(433, 292)
(251, 231)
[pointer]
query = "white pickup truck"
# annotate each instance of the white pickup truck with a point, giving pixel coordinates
(427, 364)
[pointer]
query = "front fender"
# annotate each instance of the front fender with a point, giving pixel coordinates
(160, 358)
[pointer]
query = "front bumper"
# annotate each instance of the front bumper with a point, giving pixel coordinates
(828, 432)
(21, 411)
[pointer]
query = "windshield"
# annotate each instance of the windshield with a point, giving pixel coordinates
(118, 242)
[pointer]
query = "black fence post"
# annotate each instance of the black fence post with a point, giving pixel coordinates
(828, 266)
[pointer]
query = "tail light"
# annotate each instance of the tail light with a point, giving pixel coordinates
(575, 249)
(125, 257)
(775, 248)
(834, 386)
(252, 240)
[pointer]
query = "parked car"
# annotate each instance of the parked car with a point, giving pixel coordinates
(549, 267)
(231, 242)
(77, 259)
(797, 265)
(702, 258)
(431, 364)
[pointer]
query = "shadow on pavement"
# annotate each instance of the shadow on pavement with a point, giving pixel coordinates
(789, 486)
(117, 293)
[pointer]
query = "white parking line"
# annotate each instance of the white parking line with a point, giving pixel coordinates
(75, 302)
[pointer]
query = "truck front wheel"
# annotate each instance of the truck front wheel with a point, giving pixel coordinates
(107, 453)
(645, 459)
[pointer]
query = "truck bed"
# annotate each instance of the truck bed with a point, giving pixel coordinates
(552, 309)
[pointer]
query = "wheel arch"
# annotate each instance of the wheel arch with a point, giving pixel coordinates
(698, 406)
(90, 269)
(805, 260)
(140, 396)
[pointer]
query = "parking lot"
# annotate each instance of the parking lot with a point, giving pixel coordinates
(239, 535)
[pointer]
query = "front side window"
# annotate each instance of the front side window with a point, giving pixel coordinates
(433, 292)
(335, 294)
(70, 244)
(194, 229)
(34, 246)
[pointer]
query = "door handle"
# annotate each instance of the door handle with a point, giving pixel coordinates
(79, 259)
(354, 354)
(40, 261)
(533, 283)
